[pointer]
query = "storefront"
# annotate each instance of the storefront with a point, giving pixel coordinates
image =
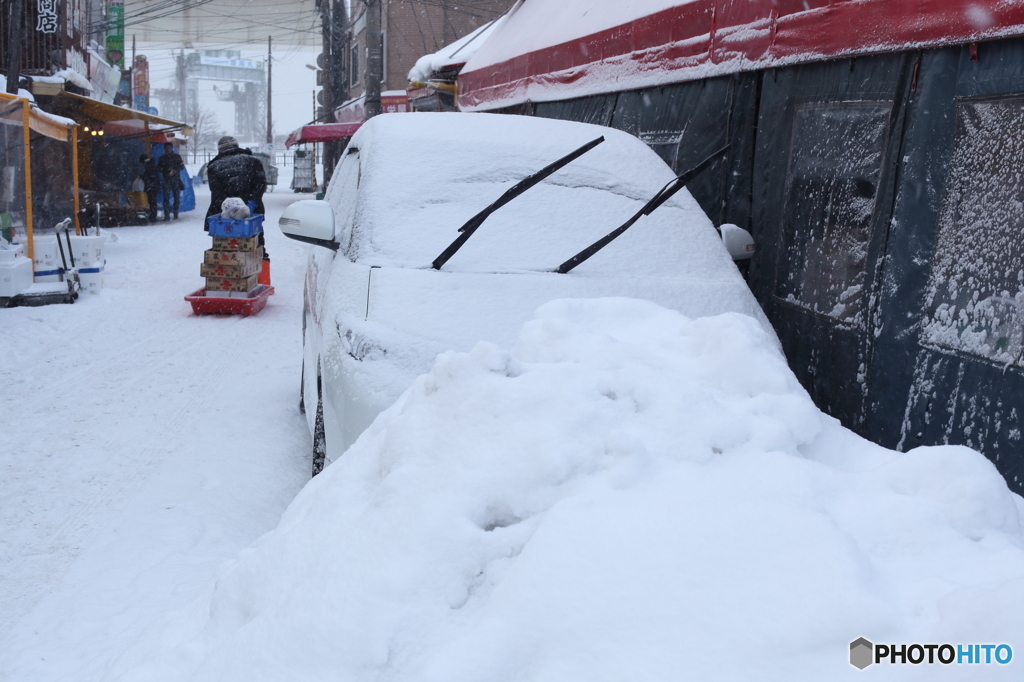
(110, 142)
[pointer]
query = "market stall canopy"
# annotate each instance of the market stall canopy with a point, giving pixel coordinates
(101, 111)
(549, 50)
(43, 123)
(322, 132)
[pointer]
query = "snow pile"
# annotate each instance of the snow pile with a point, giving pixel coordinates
(75, 78)
(627, 494)
(458, 52)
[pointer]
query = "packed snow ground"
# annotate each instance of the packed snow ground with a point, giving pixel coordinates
(140, 446)
(624, 494)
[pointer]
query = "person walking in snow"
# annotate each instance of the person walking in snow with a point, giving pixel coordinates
(235, 172)
(170, 166)
(150, 177)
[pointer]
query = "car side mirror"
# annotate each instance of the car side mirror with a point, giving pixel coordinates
(310, 221)
(738, 241)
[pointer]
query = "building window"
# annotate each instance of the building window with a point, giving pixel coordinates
(354, 65)
(835, 165)
(976, 292)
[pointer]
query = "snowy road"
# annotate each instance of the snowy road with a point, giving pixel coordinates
(140, 446)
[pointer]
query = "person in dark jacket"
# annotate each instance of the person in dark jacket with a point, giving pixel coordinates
(170, 166)
(150, 177)
(235, 172)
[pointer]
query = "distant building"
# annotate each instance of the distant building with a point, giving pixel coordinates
(55, 39)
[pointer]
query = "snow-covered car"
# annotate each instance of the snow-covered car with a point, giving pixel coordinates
(381, 302)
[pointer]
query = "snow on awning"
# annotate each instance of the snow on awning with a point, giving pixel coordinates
(455, 54)
(322, 132)
(56, 127)
(101, 111)
(548, 50)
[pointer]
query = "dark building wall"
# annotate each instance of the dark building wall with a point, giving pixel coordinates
(884, 196)
(44, 52)
(413, 29)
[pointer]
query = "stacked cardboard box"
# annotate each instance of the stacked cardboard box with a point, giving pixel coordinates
(232, 266)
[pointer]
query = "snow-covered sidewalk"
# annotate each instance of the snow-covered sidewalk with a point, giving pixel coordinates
(140, 446)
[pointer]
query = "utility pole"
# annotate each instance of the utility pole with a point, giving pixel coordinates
(181, 85)
(326, 80)
(374, 58)
(270, 65)
(339, 47)
(14, 24)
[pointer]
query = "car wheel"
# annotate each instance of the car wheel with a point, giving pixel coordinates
(319, 439)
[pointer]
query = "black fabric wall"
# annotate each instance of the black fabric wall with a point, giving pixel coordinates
(884, 197)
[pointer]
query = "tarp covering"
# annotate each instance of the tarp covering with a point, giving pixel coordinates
(883, 193)
(559, 49)
(322, 132)
(37, 189)
(14, 218)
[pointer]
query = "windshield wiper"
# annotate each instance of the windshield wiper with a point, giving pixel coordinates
(467, 230)
(657, 200)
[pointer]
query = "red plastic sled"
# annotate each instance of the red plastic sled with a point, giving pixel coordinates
(219, 305)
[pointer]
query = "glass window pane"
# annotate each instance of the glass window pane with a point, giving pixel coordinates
(835, 166)
(977, 282)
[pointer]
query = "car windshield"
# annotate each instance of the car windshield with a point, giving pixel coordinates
(406, 215)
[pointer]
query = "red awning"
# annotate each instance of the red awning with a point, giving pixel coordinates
(322, 132)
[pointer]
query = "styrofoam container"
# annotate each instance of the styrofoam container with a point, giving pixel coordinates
(88, 250)
(92, 278)
(15, 276)
(45, 253)
(46, 260)
(10, 252)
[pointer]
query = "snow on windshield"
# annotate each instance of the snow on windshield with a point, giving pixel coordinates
(422, 177)
(625, 494)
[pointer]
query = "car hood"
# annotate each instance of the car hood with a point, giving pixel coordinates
(409, 316)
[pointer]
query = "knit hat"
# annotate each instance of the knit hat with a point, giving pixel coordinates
(226, 142)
